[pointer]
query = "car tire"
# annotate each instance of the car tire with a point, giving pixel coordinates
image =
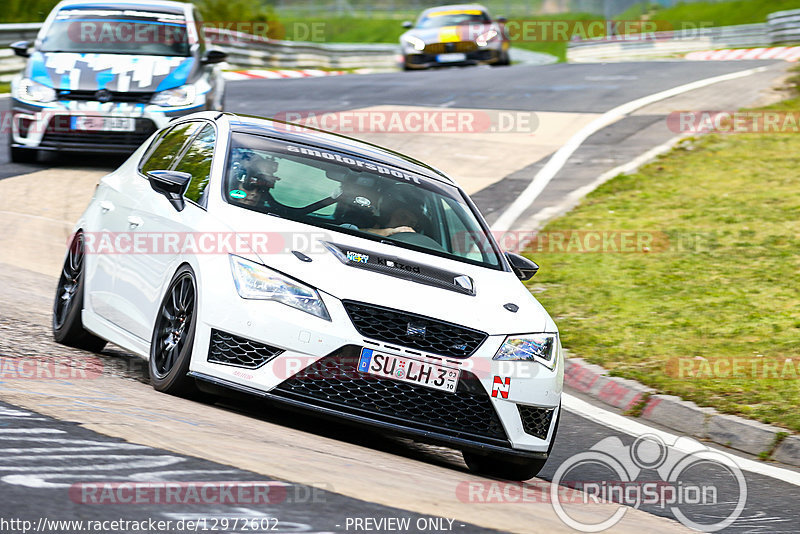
(68, 305)
(22, 155)
(173, 336)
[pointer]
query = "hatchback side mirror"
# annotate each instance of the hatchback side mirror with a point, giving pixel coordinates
(171, 184)
(408, 24)
(522, 266)
(501, 19)
(214, 55)
(20, 48)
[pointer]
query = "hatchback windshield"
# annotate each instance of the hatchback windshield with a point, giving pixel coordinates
(107, 31)
(354, 196)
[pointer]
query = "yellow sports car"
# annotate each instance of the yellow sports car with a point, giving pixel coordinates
(454, 35)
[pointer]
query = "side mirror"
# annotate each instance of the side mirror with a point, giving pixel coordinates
(213, 55)
(20, 48)
(408, 24)
(522, 266)
(171, 184)
(501, 19)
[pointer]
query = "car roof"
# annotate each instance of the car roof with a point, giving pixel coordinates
(455, 7)
(332, 141)
(161, 6)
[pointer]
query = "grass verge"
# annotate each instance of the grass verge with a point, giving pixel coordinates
(717, 288)
(707, 14)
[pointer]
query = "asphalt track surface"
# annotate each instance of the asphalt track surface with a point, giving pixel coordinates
(25, 494)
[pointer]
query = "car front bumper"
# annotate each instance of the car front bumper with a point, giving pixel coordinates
(48, 127)
(316, 369)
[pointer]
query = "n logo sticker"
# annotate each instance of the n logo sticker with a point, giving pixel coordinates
(501, 386)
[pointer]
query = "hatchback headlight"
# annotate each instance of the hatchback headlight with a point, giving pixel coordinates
(255, 281)
(416, 42)
(179, 96)
(32, 91)
(485, 38)
(530, 347)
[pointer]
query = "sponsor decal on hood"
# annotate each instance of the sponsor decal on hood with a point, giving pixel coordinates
(113, 72)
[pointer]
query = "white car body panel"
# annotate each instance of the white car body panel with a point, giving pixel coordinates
(125, 291)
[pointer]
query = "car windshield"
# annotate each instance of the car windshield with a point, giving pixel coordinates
(439, 19)
(355, 196)
(107, 31)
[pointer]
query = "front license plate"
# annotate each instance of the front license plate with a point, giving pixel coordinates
(450, 58)
(407, 370)
(103, 124)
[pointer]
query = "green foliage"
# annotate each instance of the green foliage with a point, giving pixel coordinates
(711, 13)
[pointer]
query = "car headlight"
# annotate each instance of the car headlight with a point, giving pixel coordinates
(530, 347)
(416, 42)
(255, 281)
(485, 38)
(179, 96)
(32, 91)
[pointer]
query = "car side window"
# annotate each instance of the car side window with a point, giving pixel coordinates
(169, 146)
(196, 160)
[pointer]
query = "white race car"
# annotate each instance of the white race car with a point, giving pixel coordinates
(320, 272)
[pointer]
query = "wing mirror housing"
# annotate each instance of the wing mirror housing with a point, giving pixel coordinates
(20, 48)
(408, 24)
(501, 19)
(171, 184)
(213, 55)
(522, 266)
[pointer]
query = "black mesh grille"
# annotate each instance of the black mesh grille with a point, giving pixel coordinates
(393, 326)
(535, 421)
(238, 351)
(113, 96)
(445, 48)
(59, 132)
(334, 382)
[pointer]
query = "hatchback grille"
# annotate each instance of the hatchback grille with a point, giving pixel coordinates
(414, 331)
(111, 96)
(446, 48)
(535, 421)
(334, 382)
(240, 352)
(59, 132)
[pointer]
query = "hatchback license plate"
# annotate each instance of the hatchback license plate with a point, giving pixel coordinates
(103, 124)
(407, 370)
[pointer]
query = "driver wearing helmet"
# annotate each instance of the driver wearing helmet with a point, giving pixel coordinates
(256, 177)
(401, 213)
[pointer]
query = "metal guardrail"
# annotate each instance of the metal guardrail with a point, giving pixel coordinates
(668, 44)
(784, 26)
(244, 51)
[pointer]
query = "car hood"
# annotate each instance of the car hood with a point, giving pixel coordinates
(114, 72)
(450, 34)
(484, 310)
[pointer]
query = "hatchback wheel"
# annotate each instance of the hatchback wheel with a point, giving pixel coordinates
(173, 336)
(67, 324)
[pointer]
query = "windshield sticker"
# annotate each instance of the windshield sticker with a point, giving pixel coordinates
(237, 193)
(352, 162)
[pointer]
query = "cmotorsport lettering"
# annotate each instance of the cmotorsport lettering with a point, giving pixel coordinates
(352, 162)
